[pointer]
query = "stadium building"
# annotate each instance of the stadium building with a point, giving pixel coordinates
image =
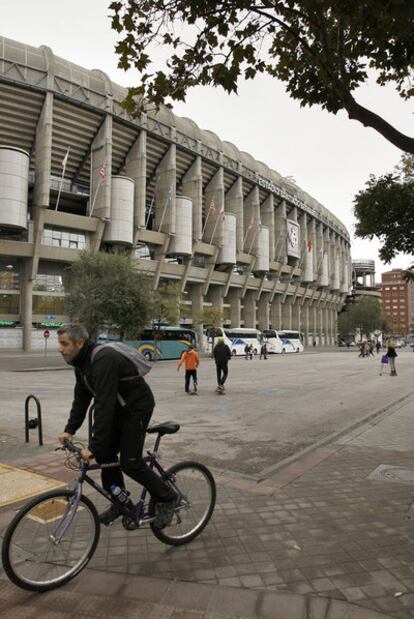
(189, 207)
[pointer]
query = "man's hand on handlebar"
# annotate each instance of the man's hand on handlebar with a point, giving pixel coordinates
(86, 454)
(64, 436)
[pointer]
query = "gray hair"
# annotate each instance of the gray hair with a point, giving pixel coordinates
(75, 331)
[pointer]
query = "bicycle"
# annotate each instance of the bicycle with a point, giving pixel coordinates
(54, 536)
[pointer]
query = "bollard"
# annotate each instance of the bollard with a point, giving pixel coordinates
(32, 424)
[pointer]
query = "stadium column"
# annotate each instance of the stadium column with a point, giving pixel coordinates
(280, 233)
(165, 184)
(234, 298)
(215, 296)
(136, 168)
(192, 187)
(267, 215)
(100, 191)
(197, 299)
(214, 205)
(234, 204)
(249, 309)
(41, 201)
(251, 213)
(263, 311)
(315, 324)
(304, 314)
(319, 251)
(287, 314)
(296, 313)
(276, 312)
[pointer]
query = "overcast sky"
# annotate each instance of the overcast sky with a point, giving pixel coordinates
(330, 157)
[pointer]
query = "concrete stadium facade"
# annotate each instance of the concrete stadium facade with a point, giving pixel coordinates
(189, 207)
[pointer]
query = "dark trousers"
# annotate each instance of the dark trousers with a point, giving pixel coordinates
(188, 375)
(222, 372)
(127, 439)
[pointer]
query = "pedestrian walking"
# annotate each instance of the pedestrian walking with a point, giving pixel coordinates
(378, 346)
(371, 349)
(392, 355)
(191, 362)
(222, 355)
(263, 351)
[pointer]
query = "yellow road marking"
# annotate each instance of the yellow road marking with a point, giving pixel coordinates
(17, 484)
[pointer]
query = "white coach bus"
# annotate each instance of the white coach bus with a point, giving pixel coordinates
(240, 337)
(283, 341)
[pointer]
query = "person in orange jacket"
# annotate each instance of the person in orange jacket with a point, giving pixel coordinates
(191, 362)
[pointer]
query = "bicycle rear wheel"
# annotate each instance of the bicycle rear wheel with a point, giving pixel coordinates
(34, 557)
(197, 490)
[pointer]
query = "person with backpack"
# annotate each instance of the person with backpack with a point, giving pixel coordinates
(392, 355)
(123, 406)
(191, 362)
(221, 354)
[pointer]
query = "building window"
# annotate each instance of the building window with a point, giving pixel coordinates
(49, 283)
(9, 275)
(43, 304)
(143, 252)
(64, 238)
(9, 303)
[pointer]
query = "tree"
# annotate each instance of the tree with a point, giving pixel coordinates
(210, 317)
(106, 290)
(322, 49)
(385, 209)
(365, 315)
(167, 304)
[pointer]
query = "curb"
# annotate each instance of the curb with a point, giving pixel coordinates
(331, 438)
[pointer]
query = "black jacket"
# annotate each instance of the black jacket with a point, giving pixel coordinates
(221, 353)
(101, 381)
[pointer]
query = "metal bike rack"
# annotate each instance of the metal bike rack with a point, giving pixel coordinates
(32, 424)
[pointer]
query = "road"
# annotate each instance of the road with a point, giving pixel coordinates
(272, 410)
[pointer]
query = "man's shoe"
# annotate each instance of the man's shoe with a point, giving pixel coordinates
(164, 513)
(109, 515)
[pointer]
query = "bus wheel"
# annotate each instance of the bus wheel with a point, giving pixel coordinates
(148, 356)
(233, 352)
(297, 350)
(283, 350)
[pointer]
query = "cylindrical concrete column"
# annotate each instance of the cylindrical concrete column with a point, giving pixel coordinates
(192, 186)
(286, 314)
(26, 306)
(234, 298)
(263, 311)
(249, 310)
(276, 313)
(234, 204)
(165, 189)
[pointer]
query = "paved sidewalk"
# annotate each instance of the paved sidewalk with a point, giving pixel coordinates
(322, 536)
(318, 538)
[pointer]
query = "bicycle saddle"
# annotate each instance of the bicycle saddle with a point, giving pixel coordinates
(168, 427)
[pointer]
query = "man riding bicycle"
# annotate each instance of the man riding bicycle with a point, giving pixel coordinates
(117, 429)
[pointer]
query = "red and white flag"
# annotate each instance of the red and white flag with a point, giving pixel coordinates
(251, 223)
(212, 208)
(309, 245)
(222, 214)
(102, 171)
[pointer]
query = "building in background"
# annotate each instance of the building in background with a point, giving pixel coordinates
(398, 301)
(363, 279)
(76, 172)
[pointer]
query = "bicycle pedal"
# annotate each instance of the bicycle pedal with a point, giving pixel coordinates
(129, 524)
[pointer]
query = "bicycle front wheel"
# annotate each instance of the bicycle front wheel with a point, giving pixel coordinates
(197, 489)
(48, 542)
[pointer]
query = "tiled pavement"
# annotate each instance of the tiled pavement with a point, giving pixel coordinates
(318, 530)
(317, 539)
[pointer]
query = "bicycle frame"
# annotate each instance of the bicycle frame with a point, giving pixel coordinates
(137, 515)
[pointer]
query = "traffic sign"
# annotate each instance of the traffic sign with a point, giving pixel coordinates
(46, 333)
